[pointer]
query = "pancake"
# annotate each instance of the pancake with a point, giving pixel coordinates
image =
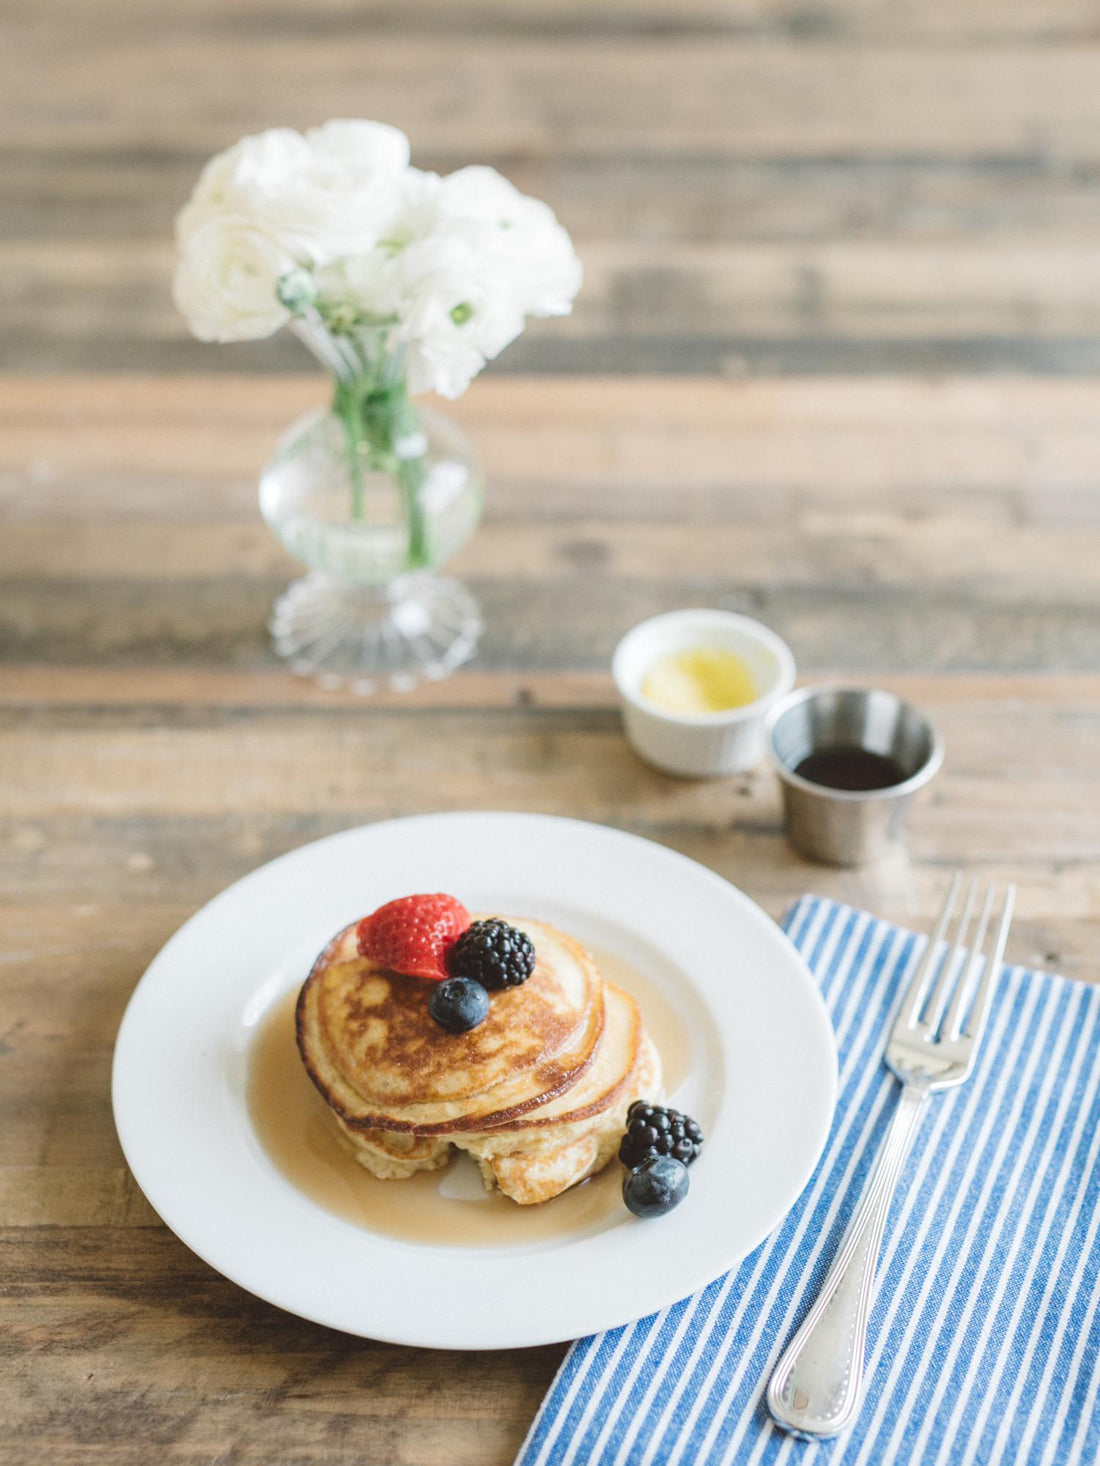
(394, 1155)
(383, 1063)
(532, 1165)
(537, 1093)
(565, 1155)
(594, 1093)
(531, 1179)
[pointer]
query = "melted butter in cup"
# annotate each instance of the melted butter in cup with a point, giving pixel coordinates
(702, 679)
(696, 688)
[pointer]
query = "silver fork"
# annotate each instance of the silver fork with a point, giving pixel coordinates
(815, 1389)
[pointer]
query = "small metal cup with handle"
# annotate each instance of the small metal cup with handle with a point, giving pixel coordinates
(815, 1389)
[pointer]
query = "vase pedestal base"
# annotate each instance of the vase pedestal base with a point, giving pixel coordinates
(418, 628)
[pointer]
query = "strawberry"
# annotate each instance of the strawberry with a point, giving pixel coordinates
(413, 934)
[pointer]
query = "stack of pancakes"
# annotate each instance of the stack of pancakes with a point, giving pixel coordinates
(537, 1093)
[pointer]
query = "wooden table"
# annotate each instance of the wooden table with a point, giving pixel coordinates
(833, 367)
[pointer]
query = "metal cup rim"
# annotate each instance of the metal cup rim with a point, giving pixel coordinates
(916, 781)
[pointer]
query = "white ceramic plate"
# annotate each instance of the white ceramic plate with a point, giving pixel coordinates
(762, 1079)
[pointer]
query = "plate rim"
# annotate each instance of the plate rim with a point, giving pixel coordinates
(418, 1334)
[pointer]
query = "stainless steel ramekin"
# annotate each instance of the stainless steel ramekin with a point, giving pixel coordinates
(838, 826)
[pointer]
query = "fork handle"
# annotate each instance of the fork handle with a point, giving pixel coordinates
(816, 1385)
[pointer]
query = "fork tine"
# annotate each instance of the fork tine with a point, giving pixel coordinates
(976, 1019)
(937, 1001)
(952, 1023)
(914, 998)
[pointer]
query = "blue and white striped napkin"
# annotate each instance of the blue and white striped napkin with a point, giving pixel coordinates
(984, 1341)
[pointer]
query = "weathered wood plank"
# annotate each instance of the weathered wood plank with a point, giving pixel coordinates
(154, 865)
(130, 766)
(955, 523)
(81, 686)
(540, 350)
(808, 298)
(178, 449)
(847, 187)
(980, 21)
(84, 687)
(1046, 565)
(129, 196)
(811, 141)
(122, 799)
(121, 1352)
(569, 624)
(743, 98)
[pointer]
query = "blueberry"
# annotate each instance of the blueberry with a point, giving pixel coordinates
(656, 1187)
(459, 1004)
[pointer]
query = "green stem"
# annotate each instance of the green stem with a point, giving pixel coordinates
(410, 475)
(411, 472)
(379, 421)
(346, 406)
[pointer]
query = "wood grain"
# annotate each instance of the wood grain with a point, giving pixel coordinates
(944, 533)
(142, 1352)
(547, 94)
(842, 186)
(951, 526)
(835, 364)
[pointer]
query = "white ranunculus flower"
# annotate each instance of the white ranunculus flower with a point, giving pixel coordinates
(534, 253)
(370, 284)
(479, 192)
(362, 148)
(465, 259)
(332, 193)
(225, 283)
(233, 180)
(421, 211)
(454, 263)
(453, 315)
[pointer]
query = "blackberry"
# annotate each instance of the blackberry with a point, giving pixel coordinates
(493, 954)
(653, 1130)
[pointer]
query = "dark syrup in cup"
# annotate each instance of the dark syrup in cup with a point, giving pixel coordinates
(850, 768)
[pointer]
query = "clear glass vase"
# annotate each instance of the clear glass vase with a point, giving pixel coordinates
(372, 495)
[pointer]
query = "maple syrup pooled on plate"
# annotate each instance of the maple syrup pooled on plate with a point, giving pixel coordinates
(449, 1207)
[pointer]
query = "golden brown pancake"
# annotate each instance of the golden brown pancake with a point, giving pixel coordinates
(383, 1063)
(394, 1155)
(563, 1155)
(600, 1085)
(538, 1092)
(532, 1165)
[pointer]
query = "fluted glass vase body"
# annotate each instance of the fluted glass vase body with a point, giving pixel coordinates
(373, 495)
